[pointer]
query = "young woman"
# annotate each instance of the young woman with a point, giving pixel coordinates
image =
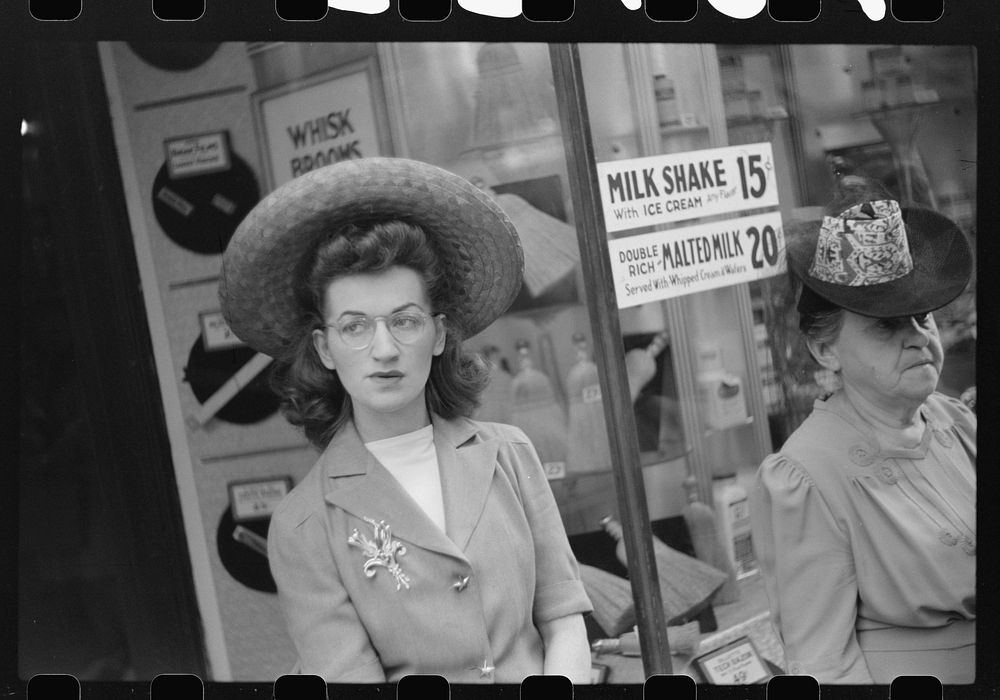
(421, 541)
(865, 521)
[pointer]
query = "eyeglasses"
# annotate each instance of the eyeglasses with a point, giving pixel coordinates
(357, 332)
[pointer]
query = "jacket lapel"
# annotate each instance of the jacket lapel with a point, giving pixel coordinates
(359, 484)
(467, 465)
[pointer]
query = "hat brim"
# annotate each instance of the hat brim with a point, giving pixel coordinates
(477, 243)
(942, 266)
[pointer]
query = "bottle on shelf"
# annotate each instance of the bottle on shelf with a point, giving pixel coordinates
(587, 446)
(721, 392)
(536, 411)
(666, 101)
(708, 546)
(732, 517)
(496, 401)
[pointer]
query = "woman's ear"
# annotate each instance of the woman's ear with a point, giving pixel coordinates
(440, 334)
(825, 354)
(323, 349)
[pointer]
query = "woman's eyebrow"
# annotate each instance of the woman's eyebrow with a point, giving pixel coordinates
(362, 313)
(407, 305)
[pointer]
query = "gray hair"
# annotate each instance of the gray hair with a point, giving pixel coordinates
(821, 327)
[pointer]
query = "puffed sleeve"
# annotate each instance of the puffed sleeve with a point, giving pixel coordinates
(808, 570)
(963, 420)
(558, 588)
(324, 626)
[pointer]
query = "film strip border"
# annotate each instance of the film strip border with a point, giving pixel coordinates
(430, 687)
(533, 10)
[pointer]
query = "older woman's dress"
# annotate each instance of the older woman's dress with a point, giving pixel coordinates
(868, 545)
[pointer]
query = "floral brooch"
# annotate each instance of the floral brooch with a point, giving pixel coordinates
(381, 551)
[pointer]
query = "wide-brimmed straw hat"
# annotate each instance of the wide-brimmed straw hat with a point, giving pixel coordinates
(475, 240)
(880, 260)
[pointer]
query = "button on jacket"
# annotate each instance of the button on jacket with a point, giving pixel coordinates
(463, 604)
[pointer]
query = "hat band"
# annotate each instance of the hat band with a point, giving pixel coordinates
(863, 246)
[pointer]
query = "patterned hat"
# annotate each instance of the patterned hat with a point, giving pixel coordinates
(475, 240)
(879, 260)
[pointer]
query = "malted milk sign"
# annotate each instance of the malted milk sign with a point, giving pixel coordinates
(642, 192)
(328, 118)
(662, 189)
(665, 264)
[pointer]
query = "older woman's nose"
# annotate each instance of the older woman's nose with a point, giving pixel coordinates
(918, 333)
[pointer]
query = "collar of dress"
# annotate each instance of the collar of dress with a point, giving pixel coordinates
(879, 446)
(359, 484)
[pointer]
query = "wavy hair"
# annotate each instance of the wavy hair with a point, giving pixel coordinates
(312, 396)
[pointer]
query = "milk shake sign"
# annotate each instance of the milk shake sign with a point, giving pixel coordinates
(683, 260)
(661, 189)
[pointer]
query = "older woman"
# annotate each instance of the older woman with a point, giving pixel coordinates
(864, 521)
(421, 541)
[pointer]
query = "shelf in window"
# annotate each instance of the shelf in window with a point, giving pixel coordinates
(572, 477)
(712, 431)
(680, 129)
(732, 122)
(901, 109)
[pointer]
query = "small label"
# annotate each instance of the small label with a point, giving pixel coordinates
(746, 563)
(739, 511)
(223, 204)
(554, 470)
(250, 500)
(689, 119)
(215, 332)
(175, 201)
(736, 663)
(197, 155)
(592, 393)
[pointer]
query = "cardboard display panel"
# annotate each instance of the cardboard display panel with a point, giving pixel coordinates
(206, 108)
(174, 56)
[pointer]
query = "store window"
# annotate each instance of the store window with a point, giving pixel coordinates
(716, 376)
(901, 115)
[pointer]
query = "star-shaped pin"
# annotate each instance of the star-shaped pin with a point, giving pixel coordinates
(485, 669)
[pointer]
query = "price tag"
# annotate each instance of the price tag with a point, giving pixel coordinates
(736, 663)
(554, 470)
(689, 119)
(215, 332)
(175, 201)
(641, 192)
(198, 154)
(592, 393)
(253, 499)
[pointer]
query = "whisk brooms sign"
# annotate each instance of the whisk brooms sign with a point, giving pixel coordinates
(328, 118)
